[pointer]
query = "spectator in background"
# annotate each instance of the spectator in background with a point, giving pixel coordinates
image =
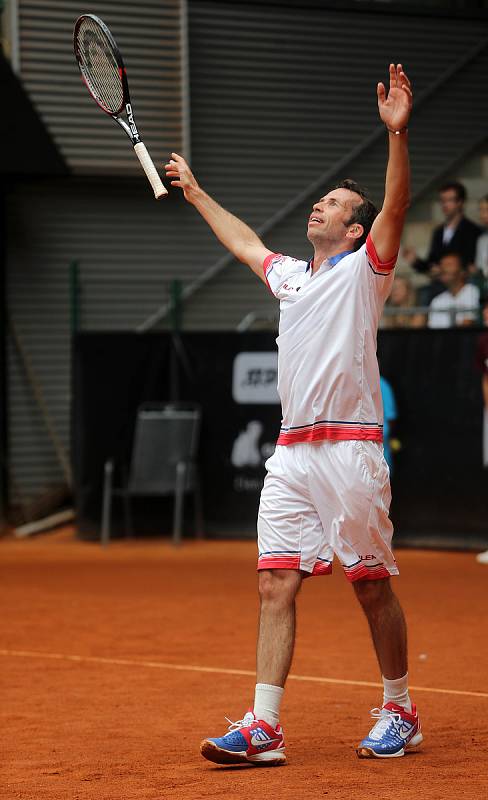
(482, 362)
(389, 417)
(458, 294)
(456, 233)
(481, 259)
(402, 295)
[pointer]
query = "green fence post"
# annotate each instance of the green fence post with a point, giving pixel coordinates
(176, 305)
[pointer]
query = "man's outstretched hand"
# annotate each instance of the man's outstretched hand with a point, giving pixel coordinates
(396, 108)
(178, 169)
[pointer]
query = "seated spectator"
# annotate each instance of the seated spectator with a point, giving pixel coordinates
(456, 233)
(481, 259)
(402, 296)
(458, 295)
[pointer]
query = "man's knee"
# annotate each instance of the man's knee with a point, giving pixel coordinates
(372, 594)
(278, 585)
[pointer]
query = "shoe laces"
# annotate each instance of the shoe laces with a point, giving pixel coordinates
(240, 723)
(385, 719)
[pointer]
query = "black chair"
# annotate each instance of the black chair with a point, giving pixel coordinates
(162, 463)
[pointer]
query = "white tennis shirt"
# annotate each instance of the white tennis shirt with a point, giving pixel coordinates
(328, 376)
(467, 298)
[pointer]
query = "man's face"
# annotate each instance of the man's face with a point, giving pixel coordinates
(484, 213)
(451, 271)
(329, 216)
(451, 205)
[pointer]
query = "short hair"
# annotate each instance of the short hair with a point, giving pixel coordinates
(449, 252)
(457, 187)
(484, 199)
(363, 213)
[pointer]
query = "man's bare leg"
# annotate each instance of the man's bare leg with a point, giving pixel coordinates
(397, 727)
(258, 738)
(387, 625)
(278, 589)
(276, 640)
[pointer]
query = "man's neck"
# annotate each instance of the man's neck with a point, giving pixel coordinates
(454, 290)
(454, 222)
(322, 253)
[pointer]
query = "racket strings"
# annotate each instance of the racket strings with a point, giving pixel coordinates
(99, 66)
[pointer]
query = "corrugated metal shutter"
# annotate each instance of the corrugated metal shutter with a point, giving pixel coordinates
(128, 246)
(123, 242)
(280, 95)
(149, 35)
(52, 223)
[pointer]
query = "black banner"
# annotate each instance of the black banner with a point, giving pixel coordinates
(440, 489)
(439, 485)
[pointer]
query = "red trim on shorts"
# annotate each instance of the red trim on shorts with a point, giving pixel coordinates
(266, 264)
(318, 432)
(293, 562)
(361, 573)
(385, 266)
(322, 568)
(279, 562)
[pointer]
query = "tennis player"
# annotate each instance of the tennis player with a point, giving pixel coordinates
(327, 487)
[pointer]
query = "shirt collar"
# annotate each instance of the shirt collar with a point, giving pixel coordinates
(333, 260)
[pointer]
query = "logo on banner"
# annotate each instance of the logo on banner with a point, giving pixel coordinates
(254, 378)
(245, 450)
(248, 453)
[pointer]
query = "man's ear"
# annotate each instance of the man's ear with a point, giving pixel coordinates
(355, 231)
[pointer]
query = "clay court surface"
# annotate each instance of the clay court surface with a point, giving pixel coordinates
(116, 663)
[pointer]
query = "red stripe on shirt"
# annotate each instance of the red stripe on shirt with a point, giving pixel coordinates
(266, 264)
(385, 266)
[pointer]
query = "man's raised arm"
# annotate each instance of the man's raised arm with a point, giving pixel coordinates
(234, 234)
(395, 112)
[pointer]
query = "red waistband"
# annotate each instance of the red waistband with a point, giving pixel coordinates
(321, 431)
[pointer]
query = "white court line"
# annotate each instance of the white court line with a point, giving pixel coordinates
(125, 662)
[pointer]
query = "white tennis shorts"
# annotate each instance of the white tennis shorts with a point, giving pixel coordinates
(327, 498)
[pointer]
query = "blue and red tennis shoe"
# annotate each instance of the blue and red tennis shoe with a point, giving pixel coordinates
(395, 731)
(249, 740)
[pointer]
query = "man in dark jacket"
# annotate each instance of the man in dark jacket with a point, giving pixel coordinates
(457, 234)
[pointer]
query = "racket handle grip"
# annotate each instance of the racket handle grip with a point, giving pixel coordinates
(150, 170)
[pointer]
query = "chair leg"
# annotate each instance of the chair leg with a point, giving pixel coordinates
(129, 531)
(179, 496)
(197, 498)
(126, 501)
(106, 503)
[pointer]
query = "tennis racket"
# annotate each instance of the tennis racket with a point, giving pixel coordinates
(103, 72)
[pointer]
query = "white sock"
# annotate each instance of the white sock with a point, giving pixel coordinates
(267, 702)
(397, 692)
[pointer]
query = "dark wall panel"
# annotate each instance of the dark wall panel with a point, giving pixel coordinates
(439, 487)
